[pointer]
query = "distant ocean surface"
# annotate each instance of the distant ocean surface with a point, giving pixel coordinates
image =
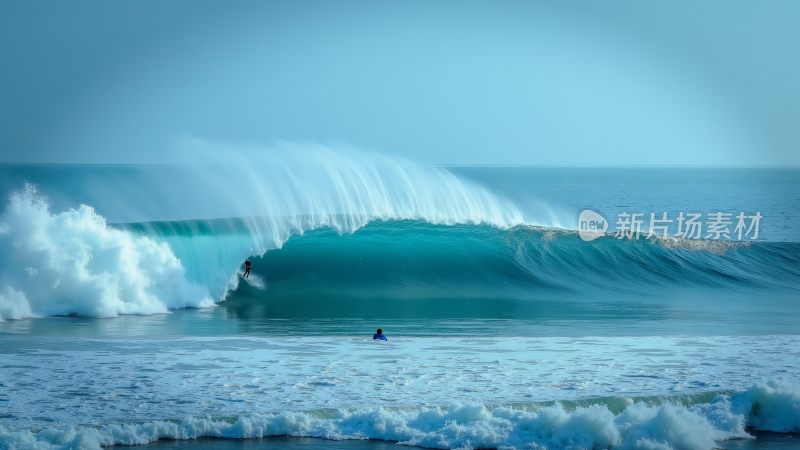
(126, 322)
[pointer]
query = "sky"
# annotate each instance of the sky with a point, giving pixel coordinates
(563, 83)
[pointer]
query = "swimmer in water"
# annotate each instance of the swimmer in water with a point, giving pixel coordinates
(379, 335)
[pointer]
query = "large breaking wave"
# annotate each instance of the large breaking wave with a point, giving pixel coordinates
(356, 223)
(72, 262)
(690, 423)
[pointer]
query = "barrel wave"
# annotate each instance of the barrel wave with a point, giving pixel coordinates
(413, 268)
(397, 258)
(336, 232)
(73, 262)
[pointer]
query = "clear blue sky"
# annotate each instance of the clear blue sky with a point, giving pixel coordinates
(545, 83)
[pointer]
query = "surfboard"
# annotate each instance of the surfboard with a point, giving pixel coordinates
(254, 280)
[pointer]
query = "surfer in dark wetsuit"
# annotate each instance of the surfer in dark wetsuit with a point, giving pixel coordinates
(379, 336)
(247, 269)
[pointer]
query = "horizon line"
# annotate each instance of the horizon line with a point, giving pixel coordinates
(486, 165)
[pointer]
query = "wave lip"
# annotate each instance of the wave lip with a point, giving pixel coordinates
(664, 425)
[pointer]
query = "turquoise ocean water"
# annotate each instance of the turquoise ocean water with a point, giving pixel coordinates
(127, 323)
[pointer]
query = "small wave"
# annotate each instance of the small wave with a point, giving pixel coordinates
(672, 423)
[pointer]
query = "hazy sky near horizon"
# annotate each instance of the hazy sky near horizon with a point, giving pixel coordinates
(510, 82)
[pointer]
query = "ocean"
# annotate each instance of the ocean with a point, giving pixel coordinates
(126, 321)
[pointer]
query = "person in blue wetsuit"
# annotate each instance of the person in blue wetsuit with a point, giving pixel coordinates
(379, 335)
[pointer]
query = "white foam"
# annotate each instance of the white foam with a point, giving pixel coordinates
(255, 281)
(71, 262)
(640, 425)
(771, 407)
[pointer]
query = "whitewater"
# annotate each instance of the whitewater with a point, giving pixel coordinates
(682, 393)
(125, 320)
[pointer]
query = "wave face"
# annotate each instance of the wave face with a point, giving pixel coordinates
(397, 258)
(381, 268)
(689, 423)
(415, 277)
